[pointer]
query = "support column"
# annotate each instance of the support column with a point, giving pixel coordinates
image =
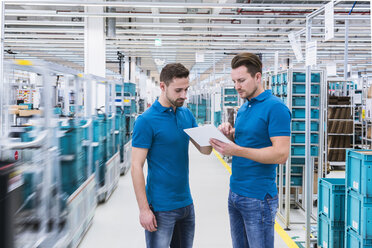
(132, 77)
(126, 69)
(308, 161)
(95, 53)
(2, 83)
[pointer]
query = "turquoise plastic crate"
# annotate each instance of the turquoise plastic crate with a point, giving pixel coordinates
(231, 104)
(296, 181)
(353, 240)
(300, 77)
(217, 118)
(279, 78)
(230, 91)
(298, 161)
(200, 120)
(273, 80)
(280, 90)
(330, 236)
(284, 89)
(359, 172)
(118, 88)
(300, 126)
(300, 138)
(358, 215)
(231, 98)
(299, 150)
(129, 89)
(285, 100)
(295, 169)
(285, 78)
(299, 113)
(331, 199)
(72, 171)
(300, 101)
(301, 89)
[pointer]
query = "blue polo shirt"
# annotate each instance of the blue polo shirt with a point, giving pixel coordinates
(160, 130)
(258, 120)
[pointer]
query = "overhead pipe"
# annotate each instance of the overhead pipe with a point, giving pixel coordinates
(165, 4)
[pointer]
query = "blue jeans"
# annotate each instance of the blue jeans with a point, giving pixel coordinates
(175, 229)
(252, 221)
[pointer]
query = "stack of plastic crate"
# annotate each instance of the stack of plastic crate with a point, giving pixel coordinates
(331, 212)
(290, 86)
(358, 198)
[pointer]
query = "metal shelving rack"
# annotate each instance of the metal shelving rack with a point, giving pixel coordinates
(230, 101)
(290, 86)
(339, 88)
(366, 115)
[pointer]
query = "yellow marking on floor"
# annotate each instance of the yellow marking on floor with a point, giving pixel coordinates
(23, 62)
(228, 168)
(283, 234)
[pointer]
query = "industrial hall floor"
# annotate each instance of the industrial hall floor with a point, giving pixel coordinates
(116, 223)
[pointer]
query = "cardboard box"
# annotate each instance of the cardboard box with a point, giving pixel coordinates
(29, 112)
(14, 109)
(369, 94)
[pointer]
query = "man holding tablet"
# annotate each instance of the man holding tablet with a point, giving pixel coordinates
(261, 141)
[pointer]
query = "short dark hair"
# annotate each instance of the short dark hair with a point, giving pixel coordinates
(251, 61)
(173, 70)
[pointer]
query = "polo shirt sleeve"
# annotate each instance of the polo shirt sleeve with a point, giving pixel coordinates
(279, 121)
(142, 133)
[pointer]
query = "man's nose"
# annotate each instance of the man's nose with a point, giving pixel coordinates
(184, 95)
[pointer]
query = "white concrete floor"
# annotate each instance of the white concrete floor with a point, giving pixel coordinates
(116, 225)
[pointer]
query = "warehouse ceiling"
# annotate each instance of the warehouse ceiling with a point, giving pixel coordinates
(160, 32)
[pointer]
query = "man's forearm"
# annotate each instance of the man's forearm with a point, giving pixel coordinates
(267, 155)
(138, 179)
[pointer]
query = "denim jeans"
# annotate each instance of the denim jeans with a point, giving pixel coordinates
(175, 229)
(252, 221)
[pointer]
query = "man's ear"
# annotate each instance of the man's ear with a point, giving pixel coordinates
(258, 76)
(162, 86)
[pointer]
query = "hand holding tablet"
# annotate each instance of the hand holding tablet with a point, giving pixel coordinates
(203, 134)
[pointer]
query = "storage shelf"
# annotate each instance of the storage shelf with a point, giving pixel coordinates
(304, 82)
(316, 132)
(305, 94)
(343, 134)
(302, 156)
(312, 107)
(339, 106)
(340, 119)
(303, 119)
(338, 148)
(302, 144)
(336, 163)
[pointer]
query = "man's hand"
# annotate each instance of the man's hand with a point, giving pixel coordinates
(148, 220)
(228, 149)
(227, 130)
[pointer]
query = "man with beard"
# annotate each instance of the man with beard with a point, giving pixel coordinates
(261, 141)
(165, 204)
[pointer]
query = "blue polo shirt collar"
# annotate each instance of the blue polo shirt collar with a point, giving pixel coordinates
(160, 107)
(261, 97)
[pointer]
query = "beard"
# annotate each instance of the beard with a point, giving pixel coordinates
(252, 93)
(175, 102)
